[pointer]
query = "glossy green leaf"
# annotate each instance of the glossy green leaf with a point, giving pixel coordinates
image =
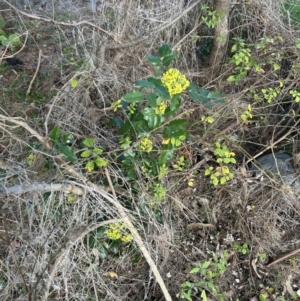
(162, 91)
(55, 134)
(175, 102)
(167, 60)
(89, 142)
(164, 50)
(154, 60)
(67, 138)
(152, 100)
(176, 125)
(152, 119)
(205, 96)
(144, 83)
(116, 121)
(68, 152)
(134, 96)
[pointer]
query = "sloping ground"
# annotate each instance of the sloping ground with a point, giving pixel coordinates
(54, 244)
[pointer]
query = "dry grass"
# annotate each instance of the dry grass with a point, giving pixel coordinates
(46, 248)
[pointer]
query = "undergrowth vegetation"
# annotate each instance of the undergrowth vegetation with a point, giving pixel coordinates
(125, 149)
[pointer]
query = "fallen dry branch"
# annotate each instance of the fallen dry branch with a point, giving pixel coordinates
(41, 187)
(286, 256)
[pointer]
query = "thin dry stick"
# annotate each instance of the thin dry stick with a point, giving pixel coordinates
(73, 238)
(18, 121)
(292, 253)
(35, 73)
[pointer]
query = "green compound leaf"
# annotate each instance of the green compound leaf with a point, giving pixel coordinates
(144, 83)
(89, 142)
(164, 50)
(134, 96)
(152, 119)
(86, 154)
(154, 60)
(166, 54)
(205, 96)
(68, 153)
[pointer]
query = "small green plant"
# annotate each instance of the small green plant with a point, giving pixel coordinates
(242, 60)
(296, 95)
(62, 143)
(240, 248)
(180, 164)
(222, 173)
(270, 93)
(150, 129)
(93, 155)
(211, 273)
(247, 114)
(212, 18)
(11, 41)
(262, 256)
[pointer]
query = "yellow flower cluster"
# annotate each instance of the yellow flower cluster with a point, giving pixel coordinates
(160, 109)
(174, 81)
(146, 145)
(116, 231)
(116, 105)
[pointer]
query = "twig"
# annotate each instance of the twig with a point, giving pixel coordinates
(19, 121)
(292, 253)
(41, 187)
(35, 73)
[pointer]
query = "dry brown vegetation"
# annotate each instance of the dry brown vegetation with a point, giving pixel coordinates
(51, 246)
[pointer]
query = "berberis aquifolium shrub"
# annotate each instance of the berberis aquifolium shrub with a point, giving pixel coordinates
(151, 129)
